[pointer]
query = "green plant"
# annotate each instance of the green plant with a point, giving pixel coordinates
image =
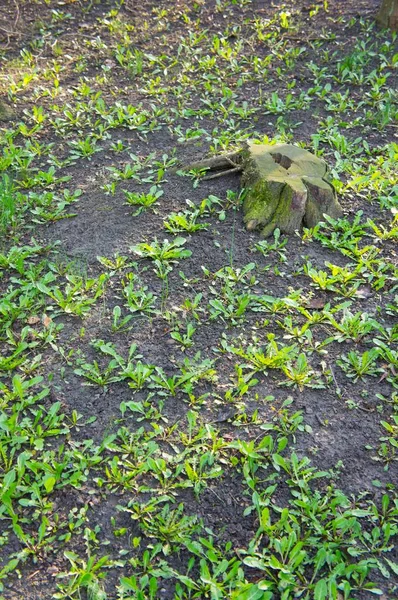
(278, 246)
(184, 339)
(7, 203)
(138, 299)
(230, 306)
(79, 294)
(165, 252)
(184, 221)
(171, 385)
(357, 365)
(300, 374)
(143, 200)
(83, 575)
(120, 323)
(351, 326)
(131, 60)
(138, 375)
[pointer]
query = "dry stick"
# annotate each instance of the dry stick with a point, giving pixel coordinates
(13, 33)
(8, 32)
(232, 162)
(222, 173)
(214, 164)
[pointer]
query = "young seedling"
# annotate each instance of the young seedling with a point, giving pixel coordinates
(143, 200)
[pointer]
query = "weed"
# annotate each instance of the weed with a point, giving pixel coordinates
(7, 203)
(143, 200)
(165, 252)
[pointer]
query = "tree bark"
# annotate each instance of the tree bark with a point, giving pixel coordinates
(388, 14)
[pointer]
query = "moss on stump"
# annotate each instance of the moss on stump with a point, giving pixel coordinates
(287, 188)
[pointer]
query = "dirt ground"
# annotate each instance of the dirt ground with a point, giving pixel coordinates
(160, 489)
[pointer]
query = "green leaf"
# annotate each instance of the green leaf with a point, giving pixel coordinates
(321, 590)
(357, 512)
(250, 591)
(8, 480)
(254, 562)
(49, 482)
(72, 556)
(393, 565)
(279, 461)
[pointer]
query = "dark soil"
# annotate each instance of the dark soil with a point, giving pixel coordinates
(339, 425)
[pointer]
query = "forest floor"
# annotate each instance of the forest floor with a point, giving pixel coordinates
(188, 410)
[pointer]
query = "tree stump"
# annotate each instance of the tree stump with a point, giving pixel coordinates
(286, 188)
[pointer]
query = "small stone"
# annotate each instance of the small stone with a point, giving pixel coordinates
(6, 112)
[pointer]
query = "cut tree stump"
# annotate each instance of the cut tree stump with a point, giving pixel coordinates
(286, 186)
(286, 189)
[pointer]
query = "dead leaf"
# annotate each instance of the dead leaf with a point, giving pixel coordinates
(316, 303)
(33, 320)
(47, 321)
(364, 292)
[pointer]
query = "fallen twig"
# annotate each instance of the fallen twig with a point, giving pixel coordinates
(217, 163)
(222, 173)
(12, 33)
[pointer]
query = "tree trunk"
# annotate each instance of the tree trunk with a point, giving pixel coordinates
(388, 14)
